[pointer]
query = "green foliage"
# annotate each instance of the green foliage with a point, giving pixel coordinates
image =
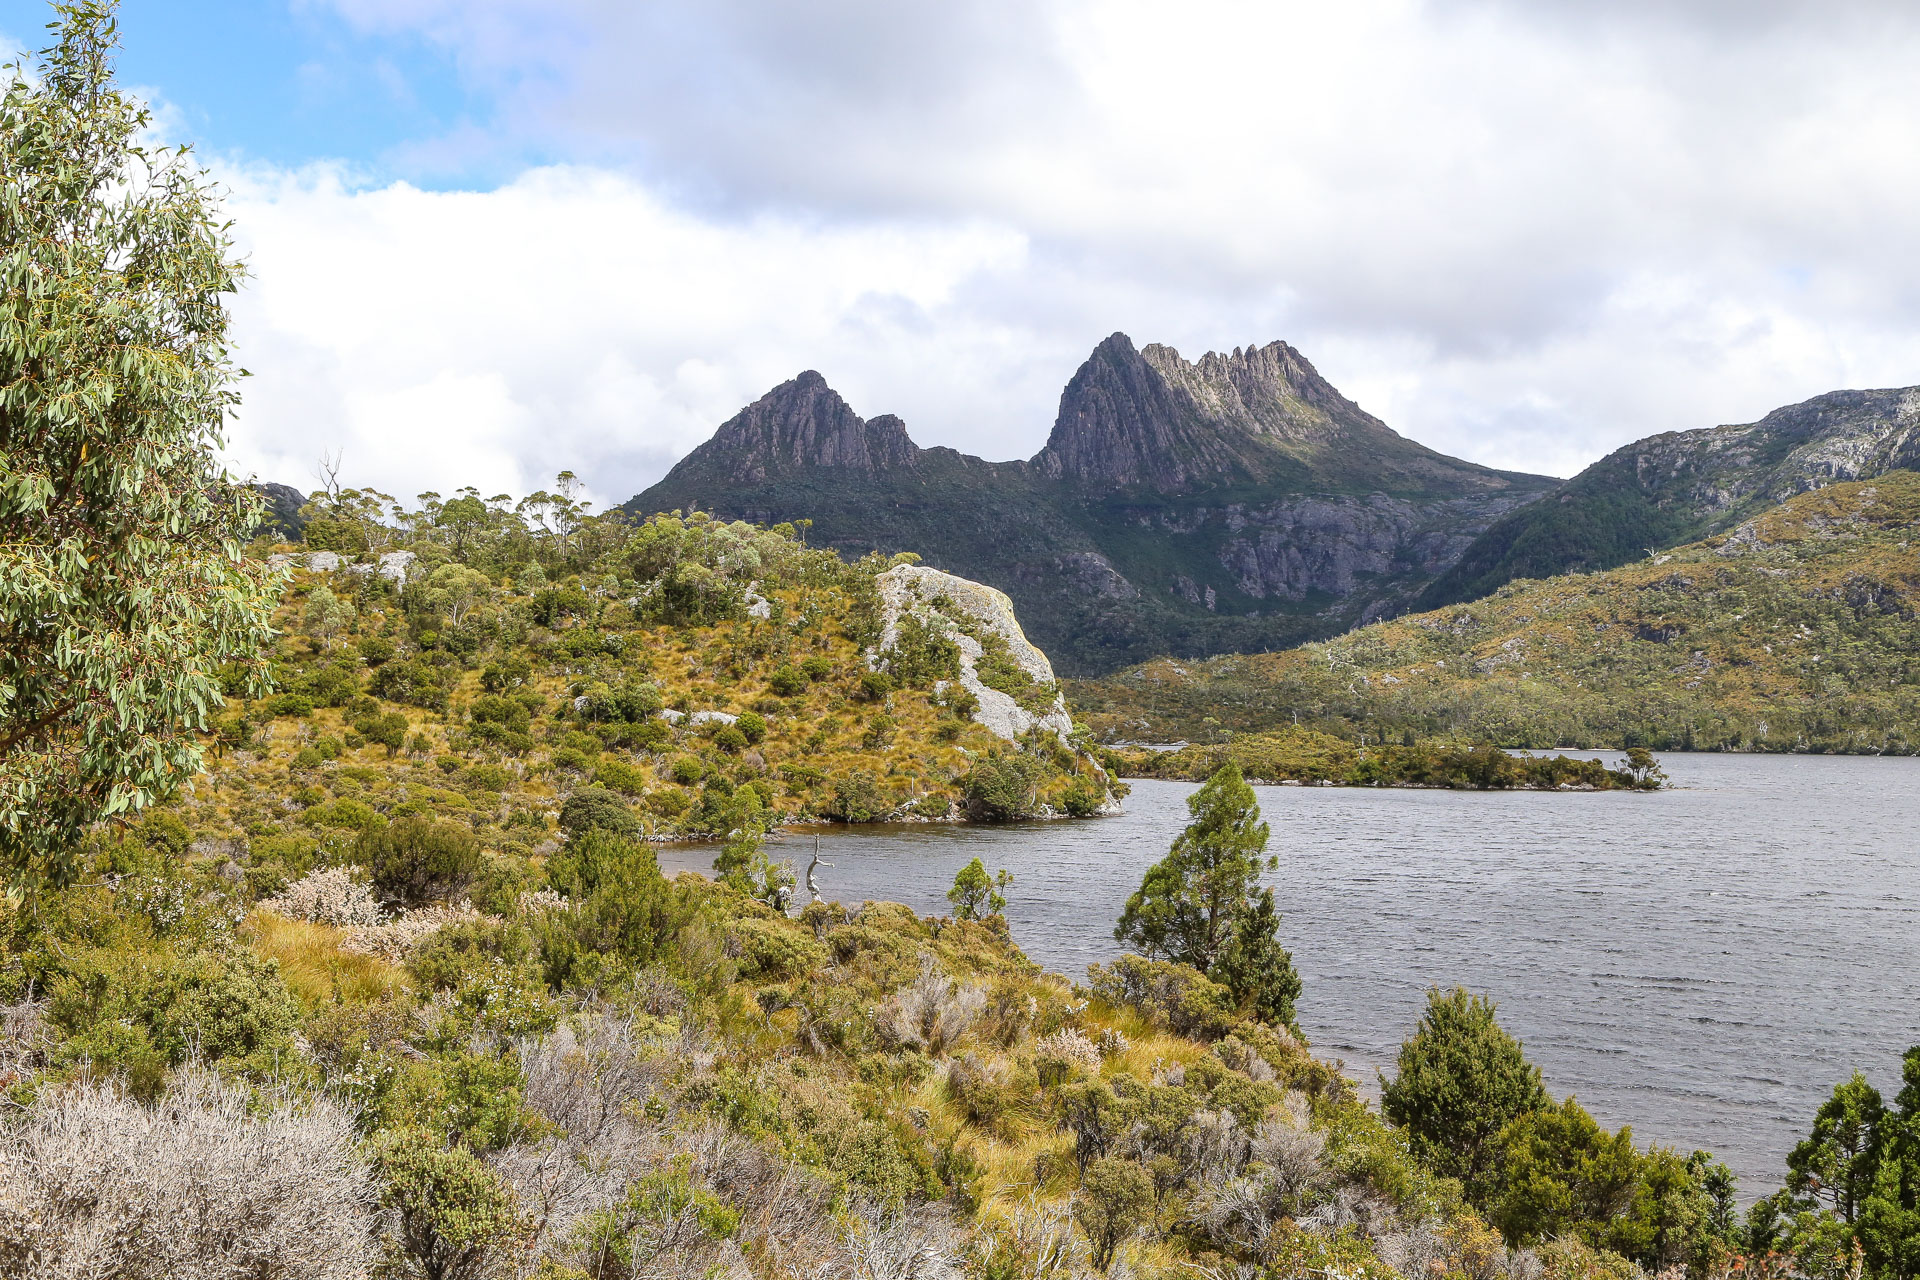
(1837, 1162)
(597, 809)
(1112, 1203)
(742, 862)
(772, 951)
(922, 653)
(415, 860)
(1189, 903)
(661, 1209)
(997, 669)
(1460, 1081)
(976, 894)
(861, 797)
(1003, 785)
(1256, 968)
(455, 1216)
(1177, 997)
(123, 591)
(618, 775)
(461, 953)
(623, 915)
(1557, 1173)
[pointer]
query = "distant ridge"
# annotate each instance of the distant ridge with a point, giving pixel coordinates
(1237, 501)
(1684, 485)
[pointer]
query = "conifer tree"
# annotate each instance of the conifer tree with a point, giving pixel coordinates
(1461, 1079)
(1188, 903)
(1202, 905)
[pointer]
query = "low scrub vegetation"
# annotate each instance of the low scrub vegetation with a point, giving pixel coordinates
(1793, 632)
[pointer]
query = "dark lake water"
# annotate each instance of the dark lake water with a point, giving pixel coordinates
(1703, 963)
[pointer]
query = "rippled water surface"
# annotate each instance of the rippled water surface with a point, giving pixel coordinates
(1702, 963)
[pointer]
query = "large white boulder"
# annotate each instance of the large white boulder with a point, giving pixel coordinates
(955, 606)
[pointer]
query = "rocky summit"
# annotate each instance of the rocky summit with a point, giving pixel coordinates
(1236, 502)
(1684, 485)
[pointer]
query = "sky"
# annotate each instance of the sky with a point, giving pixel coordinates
(489, 240)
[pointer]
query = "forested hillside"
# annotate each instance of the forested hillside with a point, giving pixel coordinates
(1794, 631)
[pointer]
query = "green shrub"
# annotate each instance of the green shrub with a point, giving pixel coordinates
(772, 950)
(669, 802)
(1115, 1195)
(1177, 997)
(860, 797)
(597, 809)
(687, 770)
(617, 775)
(787, 680)
(817, 667)
(343, 813)
(624, 915)
(752, 726)
(730, 739)
(488, 777)
(1005, 785)
(875, 686)
(453, 1215)
(141, 1009)
(287, 704)
(456, 953)
(415, 860)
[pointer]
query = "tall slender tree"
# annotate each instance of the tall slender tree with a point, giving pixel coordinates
(122, 584)
(1202, 904)
(1187, 904)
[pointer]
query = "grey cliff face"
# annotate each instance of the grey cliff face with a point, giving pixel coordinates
(1124, 423)
(283, 510)
(1257, 416)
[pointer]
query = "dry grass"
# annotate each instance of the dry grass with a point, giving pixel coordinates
(315, 967)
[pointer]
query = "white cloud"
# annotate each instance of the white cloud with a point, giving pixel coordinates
(568, 320)
(1523, 233)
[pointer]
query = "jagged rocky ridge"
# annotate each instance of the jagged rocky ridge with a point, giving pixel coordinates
(1235, 502)
(1684, 485)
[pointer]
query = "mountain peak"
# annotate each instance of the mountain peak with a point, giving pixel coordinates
(801, 424)
(1259, 415)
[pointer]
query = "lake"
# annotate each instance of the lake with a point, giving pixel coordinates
(1703, 963)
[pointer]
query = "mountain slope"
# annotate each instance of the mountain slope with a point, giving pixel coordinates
(1793, 631)
(1234, 502)
(1674, 488)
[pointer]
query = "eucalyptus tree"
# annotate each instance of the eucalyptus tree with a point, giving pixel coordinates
(123, 589)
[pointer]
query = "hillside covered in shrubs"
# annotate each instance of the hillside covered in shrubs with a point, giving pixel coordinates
(1793, 631)
(462, 688)
(605, 1073)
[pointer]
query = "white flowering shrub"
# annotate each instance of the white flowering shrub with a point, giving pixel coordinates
(330, 896)
(396, 939)
(1065, 1053)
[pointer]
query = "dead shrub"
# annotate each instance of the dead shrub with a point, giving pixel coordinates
(92, 1183)
(930, 1013)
